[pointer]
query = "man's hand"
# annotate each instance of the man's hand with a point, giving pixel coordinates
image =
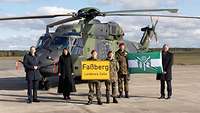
(59, 74)
(35, 67)
(164, 72)
(72, 73)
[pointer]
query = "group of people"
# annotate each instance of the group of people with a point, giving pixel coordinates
(118, 74)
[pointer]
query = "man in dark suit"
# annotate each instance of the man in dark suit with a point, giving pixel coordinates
(166, 76)
(32, 65)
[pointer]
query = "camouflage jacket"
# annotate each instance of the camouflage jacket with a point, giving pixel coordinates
(121, 57)
(114, 68)
(92, 59)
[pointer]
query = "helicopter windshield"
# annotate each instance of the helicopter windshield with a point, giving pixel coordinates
(60, 42)
(42, 42)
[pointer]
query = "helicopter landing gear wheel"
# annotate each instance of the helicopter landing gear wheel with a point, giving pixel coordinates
(44, 84)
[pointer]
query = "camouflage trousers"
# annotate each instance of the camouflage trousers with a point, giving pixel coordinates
(92, 86)
(123, 80)
(108, 85)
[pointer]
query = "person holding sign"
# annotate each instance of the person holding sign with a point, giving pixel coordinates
(65, 71)
(166, 76)
(123, 76)
(92, 84)
(114, 67)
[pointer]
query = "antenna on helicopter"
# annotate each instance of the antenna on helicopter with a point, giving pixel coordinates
(47, 29)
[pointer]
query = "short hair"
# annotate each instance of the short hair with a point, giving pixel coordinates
(93, 51)
(121, 44)
(165, 45)
(66, 49)
(109, 52)
(32, 47)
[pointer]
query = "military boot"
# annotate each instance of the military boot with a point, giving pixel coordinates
(115, 100)
(99, 102)
(107, 97)
(120, 95)
(107, 100)
(89, 102)
(126, 94)
(162, 97)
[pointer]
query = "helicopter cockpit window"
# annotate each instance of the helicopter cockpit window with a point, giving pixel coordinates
(42, 42)
(39, 44)
(77, 46)
(60, 42)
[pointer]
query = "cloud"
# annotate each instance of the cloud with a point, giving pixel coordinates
(137, 3)
(175, 32)
(53, 10)
(21, 34)
(19, 40)
(14, 1)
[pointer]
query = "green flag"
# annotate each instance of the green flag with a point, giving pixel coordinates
(148, 62)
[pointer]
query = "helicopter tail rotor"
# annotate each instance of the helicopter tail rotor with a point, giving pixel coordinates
(154, 28)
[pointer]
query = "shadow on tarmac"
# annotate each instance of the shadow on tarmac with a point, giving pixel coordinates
(13, 83)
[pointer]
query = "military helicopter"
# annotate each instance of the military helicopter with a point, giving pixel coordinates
(88, 34)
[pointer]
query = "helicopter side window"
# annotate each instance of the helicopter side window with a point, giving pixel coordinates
(60, 42)
(39, 44)
(42, 42)
(77, 47)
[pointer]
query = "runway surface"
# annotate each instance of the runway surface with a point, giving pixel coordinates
(144, 91)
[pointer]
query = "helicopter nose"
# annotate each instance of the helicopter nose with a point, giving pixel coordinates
(44, 56)
(50, 58)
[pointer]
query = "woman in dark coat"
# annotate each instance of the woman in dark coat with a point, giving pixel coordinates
(66, 82)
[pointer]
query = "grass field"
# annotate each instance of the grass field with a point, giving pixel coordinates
(179, 58)
(187, 58)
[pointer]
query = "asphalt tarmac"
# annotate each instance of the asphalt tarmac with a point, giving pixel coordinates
(144, 91)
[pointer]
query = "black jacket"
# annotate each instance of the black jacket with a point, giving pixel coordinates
(66, 80)
(29, 62)
(65, 66)
(167, 62)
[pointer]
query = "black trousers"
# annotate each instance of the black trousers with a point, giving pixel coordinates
(67, 87)
(162, 87)
(66, 93)
(32, 85)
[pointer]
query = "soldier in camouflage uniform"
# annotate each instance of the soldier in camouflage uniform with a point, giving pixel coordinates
(114, 67)
(92, 84)
(123, 76)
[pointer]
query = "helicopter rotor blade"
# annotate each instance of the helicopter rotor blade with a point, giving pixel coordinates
(142, 10)
(156, 36)
(64, 21)
(35, 17)
(154, 15)
(156, 22)
(152, 21)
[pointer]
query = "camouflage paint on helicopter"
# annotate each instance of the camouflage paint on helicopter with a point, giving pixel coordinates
(80, 39)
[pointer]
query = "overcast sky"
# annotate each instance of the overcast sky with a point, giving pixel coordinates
(20, 35)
